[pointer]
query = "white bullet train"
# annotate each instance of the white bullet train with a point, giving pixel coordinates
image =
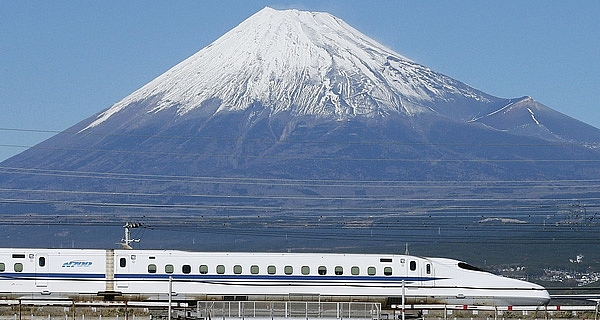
(148, 275)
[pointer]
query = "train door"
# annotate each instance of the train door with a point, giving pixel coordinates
(413, 271)
(41, 270)
(427, 274)
(421, 271)
(122, 271)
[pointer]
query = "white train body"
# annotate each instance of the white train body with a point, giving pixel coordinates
(203, 276)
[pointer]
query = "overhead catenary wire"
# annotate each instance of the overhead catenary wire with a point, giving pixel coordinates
(574, 191)
(385, 143)
(216, 138)
(293, 181)
(305, 158)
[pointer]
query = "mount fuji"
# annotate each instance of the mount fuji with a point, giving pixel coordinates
(313, 64)
(300, 63)
(284, 101)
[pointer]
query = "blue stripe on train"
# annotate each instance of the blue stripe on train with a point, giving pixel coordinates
(199, 277)
(67, 276)
(272, 277)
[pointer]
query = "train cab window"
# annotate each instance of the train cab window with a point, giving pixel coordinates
(169, 268)
(466, 266)
(237, 269)
(220, 269)
(428, 268)
(371, 271)
(2, 267)
(387, 271)
(339, 270)
(322, 270)
(305, 270)
(186, 268)
(42, 261)
(18, 267)
(413, 265)
(271, 269)
(203, 269)
(151, 268)
(122, 262)
(355, 271)
(288, 270)
(254, 269)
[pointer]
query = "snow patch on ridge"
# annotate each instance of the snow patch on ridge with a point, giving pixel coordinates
(533, 116)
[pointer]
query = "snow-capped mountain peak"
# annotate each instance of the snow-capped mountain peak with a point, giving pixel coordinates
(306, 63)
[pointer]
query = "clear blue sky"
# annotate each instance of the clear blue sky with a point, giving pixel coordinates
(63, 61)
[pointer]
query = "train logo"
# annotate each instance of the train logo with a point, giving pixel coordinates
(77, 264)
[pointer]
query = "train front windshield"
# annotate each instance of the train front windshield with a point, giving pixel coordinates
(467, 266)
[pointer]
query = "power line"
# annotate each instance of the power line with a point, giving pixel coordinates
(305, 158)
(555, 183)
(383, 143)
(273, 139)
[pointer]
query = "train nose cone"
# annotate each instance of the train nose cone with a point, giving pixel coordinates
(535, 295)
(529, 298)
(523, 293)
(544, 296)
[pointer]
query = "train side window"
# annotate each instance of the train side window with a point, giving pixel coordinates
(428, 268)
(18, 267)
(122, 262)
(151, 268)
(237, 269)
(186, 268)
(371, 271)
(339, 270)
(203, 269)
(169, 268)
(355, 271)
(220, 269)
(42, 261)
(254, 269)
(2, 267)
(305, 270)
(387, 271)
(288, 270)
(271, 269)
(322, 270)
(413, 265)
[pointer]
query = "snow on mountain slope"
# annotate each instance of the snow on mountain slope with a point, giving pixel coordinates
(306, 63)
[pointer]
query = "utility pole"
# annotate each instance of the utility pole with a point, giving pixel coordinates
(127, 241)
